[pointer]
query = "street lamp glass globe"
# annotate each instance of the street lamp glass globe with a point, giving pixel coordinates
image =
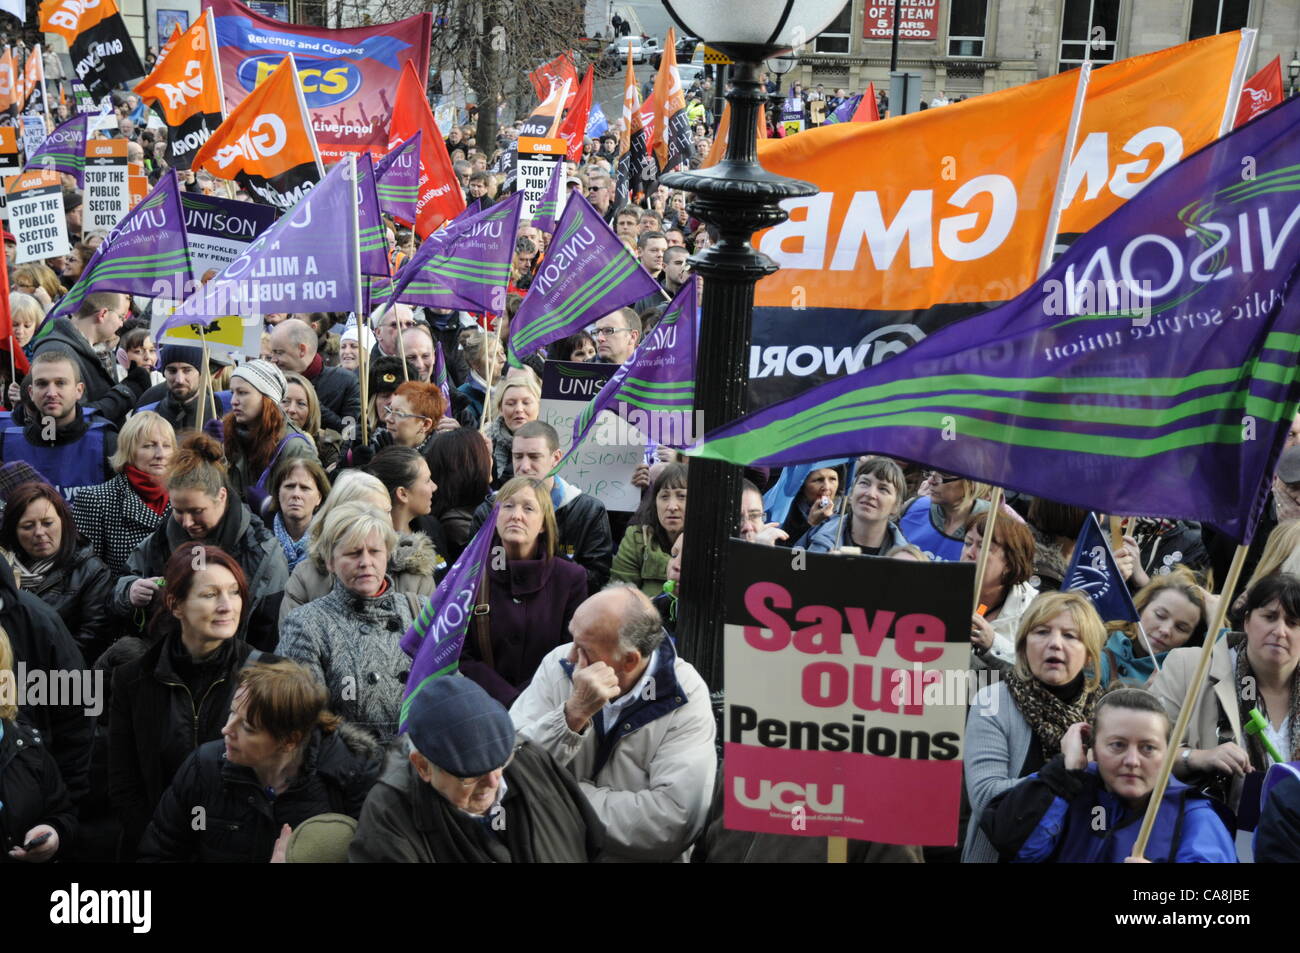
(772, 24)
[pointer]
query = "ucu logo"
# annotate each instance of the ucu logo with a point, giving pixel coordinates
(785, 796)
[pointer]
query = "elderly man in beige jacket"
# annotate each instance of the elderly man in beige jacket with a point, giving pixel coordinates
(633, 723)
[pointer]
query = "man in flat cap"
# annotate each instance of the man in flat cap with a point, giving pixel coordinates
(465, 790)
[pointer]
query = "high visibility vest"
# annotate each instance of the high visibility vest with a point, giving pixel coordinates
(68, 467)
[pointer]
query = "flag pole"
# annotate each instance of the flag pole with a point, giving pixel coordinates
(1116, 544)
(986, 541)
(1245, 50)
(1189, 701)
(487, 371)
(356, 271)
(205, 381)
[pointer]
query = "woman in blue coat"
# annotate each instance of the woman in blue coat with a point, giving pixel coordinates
(1052, 816)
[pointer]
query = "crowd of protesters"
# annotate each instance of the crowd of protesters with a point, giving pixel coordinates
(235, 551)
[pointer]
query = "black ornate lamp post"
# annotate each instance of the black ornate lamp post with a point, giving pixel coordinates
(1292, 69)
(737, 197)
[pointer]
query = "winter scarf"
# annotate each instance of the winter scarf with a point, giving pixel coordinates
(1048, 715)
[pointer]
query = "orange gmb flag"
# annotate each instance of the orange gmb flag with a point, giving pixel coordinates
(171, 40)
(7, 83)
(719, 147)
(668, 135)
(186, 91)
(440, 198)
(573, 128)
(963, 220)
(267, 144)
(1262, 91)
(544, 121)
(102, 51)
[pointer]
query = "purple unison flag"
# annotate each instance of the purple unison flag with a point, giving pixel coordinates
(147, 250)
(64, 149)
(470, 210)
(586, 274)
(397, 180)
(374, 248)
(1094, 573)
(435, 638)
(655, 390)
(548, 209)
(1151, 371)
(301, 263)
(466, 266)
(845, 110)
(440, 377)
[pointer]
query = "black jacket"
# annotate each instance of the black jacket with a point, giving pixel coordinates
(583, 526)
(339, 393)
(41, 642)
(242, 821)
(31, 790)
(181, 416)
(157, 722)
(111, 399)
(79, 592)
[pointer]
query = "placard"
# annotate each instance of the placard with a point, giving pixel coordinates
(9, 163)
(847, 690)
(220, 229)
(607, 458)
(34, 132)
(534, 166)
(108, 189)
(36, 215)
(919, 20)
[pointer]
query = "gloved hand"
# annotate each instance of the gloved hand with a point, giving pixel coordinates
(139, 379)
(214, 429)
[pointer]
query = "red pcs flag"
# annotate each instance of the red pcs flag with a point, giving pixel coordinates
(574, 126)
(1262, 91)
(440, 196)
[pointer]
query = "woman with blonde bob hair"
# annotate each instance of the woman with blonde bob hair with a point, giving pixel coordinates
(515, 401)
(351, 636)
(1015, 725)
(115, 516)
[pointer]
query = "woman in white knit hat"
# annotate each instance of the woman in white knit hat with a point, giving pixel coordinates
(256, 431)
(350, 349)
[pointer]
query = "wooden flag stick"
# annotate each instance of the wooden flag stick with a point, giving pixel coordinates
(985, 542)
(1189, 702)
(205, 382)
(487, 371)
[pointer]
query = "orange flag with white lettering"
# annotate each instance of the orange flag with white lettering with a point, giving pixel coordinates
(719, 147)
(668, 134)
(8, 84)
(440, 198)
(891, 250)
(171, 40)
(267, 144)
(185, 90)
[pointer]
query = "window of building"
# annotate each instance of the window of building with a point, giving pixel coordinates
(835, 38)
(1088, 23)
(966, 19)
(1217, 16)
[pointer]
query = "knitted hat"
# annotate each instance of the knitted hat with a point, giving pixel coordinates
(351, 335)
(262, 376)
(182, 354)
(459, 727)
(322, 839)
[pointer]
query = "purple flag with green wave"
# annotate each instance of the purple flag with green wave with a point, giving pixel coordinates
(845, 110)
(655, 390)
(1151, 371)
(466, 266)
(586, 274)
(440, 377)
(64, 149)
(397, 180)
(435, 638)
(548, 209)
(146, 253)
(374, 246)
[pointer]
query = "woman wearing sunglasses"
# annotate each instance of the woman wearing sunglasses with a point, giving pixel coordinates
(935, 522)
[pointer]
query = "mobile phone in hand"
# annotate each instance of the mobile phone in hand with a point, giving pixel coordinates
(38, 841)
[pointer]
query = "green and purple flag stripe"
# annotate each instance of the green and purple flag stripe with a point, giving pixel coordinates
(149, 245)
(440, 377)
(397, 180)
(1166, 392)
(435, 638)
(64, 150)
(655, 390)
(466, 266)
(586, 274)
(374, 247)
(548, 209)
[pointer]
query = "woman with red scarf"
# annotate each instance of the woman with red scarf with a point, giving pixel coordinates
(115, 516)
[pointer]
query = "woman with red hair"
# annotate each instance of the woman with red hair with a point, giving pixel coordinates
(257, 432)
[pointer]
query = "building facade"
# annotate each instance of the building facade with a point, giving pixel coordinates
(968, 47)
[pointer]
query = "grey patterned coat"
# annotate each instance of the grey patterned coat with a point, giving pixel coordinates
(353, 643)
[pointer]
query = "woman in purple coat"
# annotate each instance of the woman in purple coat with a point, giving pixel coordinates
(532, 594)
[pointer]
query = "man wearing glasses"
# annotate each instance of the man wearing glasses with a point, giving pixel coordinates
(617, 334)
(465, 789)
(600, 192)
